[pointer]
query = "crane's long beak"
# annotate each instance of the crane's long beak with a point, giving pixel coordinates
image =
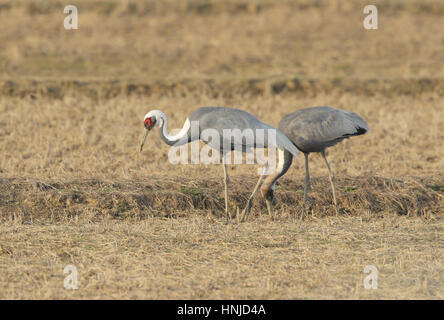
(142, 142)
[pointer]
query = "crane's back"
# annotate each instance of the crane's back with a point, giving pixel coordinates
(221, 118)
(316, 128)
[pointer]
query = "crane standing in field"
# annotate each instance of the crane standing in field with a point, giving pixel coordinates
(220, 119)
(317, 128)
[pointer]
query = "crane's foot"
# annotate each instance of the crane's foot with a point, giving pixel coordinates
(246, 211)
(337, 211)
(270, 209)
(335, 203)
(227, 217)
(303, 213)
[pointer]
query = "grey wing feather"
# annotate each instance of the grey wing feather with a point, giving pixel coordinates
(220, 118)
(314, 129)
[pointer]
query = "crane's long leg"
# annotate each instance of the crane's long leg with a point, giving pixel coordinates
(226, 180)
(270, 208)
(246, 211)
(307, 182)
(330, 175)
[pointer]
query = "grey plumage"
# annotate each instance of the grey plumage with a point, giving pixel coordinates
(220, 119)
(317, 128)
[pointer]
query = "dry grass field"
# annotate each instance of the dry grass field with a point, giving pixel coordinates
(75, 190)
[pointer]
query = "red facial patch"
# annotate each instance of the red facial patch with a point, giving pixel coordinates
(148, 122)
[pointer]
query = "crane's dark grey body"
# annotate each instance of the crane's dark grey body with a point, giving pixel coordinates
(317, 128)
(221, 118)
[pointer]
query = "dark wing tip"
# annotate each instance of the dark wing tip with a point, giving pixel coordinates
(360, 131)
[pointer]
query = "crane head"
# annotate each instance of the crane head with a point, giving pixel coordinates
(149, 122)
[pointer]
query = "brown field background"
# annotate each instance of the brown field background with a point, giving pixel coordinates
(75, 190)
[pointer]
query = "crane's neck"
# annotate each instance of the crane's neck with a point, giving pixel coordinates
(173, 140)
(269, 185)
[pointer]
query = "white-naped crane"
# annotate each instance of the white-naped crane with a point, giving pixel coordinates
(220, 119)
(317, 128)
